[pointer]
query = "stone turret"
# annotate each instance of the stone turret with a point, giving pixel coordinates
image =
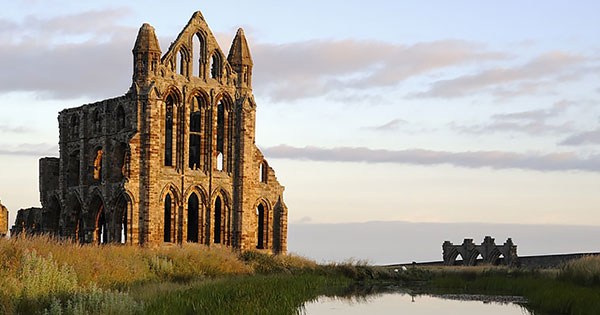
(241, 61)
(3, 221)
(146, 53)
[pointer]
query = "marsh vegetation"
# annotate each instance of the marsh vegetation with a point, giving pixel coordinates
(39, 275)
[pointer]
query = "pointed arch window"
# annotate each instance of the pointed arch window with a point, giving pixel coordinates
(198, 110)
(261, 227)
(169, 131)
(167, 219)
(193, 215)
(198, 53)
(225, 134)
(218, 220)
(215, 66)
(181, 62)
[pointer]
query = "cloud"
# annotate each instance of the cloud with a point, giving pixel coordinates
(544, 70)
(32, 149)
(389, 126)
(533, 122)
(85, 54)
(587, 137)
(13, 129)
(316, 67)
(470, 159)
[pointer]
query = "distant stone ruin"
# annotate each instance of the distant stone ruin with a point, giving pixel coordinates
(3, 220)
(488, 253)
(28, 221)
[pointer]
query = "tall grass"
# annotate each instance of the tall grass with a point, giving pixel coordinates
(260, 294)
(40, 272)
(584, 271)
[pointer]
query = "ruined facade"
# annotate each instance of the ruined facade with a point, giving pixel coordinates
(3, 221)
(172, 160)
(487, 252)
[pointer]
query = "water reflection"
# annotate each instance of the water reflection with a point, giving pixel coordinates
(394, 300)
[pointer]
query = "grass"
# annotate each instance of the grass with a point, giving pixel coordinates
(550, 291)
(260, 294)
(40, 275)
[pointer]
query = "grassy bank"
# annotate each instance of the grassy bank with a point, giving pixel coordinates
(573, 289)
(39, 275)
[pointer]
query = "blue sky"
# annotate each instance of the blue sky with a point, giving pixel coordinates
(428, 111)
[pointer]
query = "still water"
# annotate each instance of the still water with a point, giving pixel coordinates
(404, 303)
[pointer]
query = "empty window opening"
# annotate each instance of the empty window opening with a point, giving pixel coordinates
(220, 126)
(262, 172)
(181, 62)
(74, 126)
(180, 137)
(195, 151)
(215, 66)
(220, 161)
(122, 208)
(260, 213)
(169, 131)
(198, 47)
(192, 227)
(218, 212)
(101, 227)
(73, 164)
(167, 219)
(121, 121)
(122, 158)
(98, 165)
(97, 121)
(195, 154)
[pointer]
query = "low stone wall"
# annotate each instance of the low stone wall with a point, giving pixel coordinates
(550, 261)
(537, 261)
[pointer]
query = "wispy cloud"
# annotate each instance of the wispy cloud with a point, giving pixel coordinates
(4, 128)
(393, 124)
(533, 122)
(582, 138)
(317, 67)
(32, 149)
(545, 70)
(470, 159)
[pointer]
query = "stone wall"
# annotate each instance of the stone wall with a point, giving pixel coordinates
(172, 160)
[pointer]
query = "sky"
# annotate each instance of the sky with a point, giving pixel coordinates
(416, 112)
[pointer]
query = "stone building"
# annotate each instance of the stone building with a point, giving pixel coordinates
(3, 221)
(172, 160)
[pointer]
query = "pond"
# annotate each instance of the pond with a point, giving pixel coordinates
(398, 302)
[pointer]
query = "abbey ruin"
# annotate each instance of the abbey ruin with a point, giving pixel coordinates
(172, 160)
